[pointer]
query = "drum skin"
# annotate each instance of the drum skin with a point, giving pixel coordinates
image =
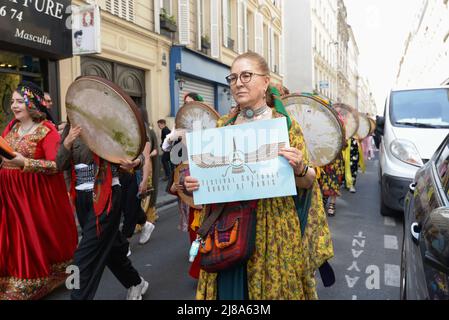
(196, 111)
(350, 118)
(364, 126)
(322, 129)
(111, 122)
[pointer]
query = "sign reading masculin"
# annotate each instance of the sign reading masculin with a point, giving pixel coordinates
(240, 162)
(41, 26)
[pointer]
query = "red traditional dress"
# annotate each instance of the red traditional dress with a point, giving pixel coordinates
(38, 234)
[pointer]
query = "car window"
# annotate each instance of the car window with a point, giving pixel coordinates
(427, 108)
(442, 166)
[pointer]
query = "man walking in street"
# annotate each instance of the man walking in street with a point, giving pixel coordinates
(162, 124)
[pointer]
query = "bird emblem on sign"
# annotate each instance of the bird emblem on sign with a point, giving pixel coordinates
(238, 160)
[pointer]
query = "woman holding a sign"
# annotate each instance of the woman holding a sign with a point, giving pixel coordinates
(287, 245)
(38, 234)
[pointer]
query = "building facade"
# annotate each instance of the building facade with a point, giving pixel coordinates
(425, 59)
(366, 102)
(311, 46)
(352, 74)
(159, 50)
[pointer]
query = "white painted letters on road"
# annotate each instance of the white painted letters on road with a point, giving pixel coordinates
(373, 280)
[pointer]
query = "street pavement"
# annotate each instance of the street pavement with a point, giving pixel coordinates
(366, 263)
(366, 245)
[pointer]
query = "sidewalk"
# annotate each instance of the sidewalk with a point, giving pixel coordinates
(164, 198)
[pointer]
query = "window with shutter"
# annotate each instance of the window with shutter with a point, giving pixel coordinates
(225, 12)
(157, 11)
(184, 21)
(240, 22)
(214, 30)
(121, 8)
(258, 27)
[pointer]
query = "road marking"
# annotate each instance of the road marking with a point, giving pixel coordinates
(388, 221)
(359, 243)
(354, 297)
(391, 242)
(373, 280)
(360, 235)
(392, 275)
(356, 253)
(351, 281)
(354, 266)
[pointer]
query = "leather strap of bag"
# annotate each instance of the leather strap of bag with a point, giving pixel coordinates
(210, 220)
(214, 215)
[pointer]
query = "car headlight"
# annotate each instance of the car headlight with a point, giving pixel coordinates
(406, 151)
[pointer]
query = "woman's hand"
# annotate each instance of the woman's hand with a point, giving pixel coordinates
(128, 165)
(294, 158)
(71, 137)
(17, 161)
(191, 184)
(143, 187)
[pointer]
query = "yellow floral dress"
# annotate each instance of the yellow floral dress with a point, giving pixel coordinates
(283, 263)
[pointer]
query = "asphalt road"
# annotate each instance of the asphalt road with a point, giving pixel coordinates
(366, 263)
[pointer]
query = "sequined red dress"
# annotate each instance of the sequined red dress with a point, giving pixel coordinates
(38, 234)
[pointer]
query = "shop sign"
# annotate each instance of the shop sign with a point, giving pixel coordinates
(86, 37)
(40, 27)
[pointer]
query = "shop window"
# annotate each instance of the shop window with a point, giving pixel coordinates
(13, 69)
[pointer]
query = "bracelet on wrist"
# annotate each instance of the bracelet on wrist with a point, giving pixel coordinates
(303, 172)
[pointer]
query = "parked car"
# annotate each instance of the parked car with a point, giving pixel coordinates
(414, 124)
(425, 247)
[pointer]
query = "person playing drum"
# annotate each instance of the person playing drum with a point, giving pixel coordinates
(96, 193)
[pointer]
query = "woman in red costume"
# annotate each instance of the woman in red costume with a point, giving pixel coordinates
(38, 234)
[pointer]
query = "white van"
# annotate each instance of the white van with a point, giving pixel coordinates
(414, 124)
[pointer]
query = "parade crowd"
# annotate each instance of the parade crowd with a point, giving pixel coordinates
(54, 181)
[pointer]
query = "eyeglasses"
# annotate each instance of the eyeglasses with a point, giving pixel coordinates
(48, 100)
(245, 77)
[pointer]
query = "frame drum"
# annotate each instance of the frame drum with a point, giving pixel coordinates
(181, 172)
(322, 129)
(112, 125)
(5, 150)
(364, 126)
(194, 111)
(372, 123)
(350, 118)
(189, 116)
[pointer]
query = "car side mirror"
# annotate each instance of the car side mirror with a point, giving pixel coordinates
(435, 235)
(380, 124)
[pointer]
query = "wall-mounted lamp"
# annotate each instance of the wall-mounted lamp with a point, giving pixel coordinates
(181, 83)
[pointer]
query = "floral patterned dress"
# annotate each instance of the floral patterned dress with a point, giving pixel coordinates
(38, 234)
(331, 177)
(283, 264)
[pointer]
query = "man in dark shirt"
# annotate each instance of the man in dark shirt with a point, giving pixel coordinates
(162, 124)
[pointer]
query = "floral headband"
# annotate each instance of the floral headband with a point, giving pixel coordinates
(33, 101)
